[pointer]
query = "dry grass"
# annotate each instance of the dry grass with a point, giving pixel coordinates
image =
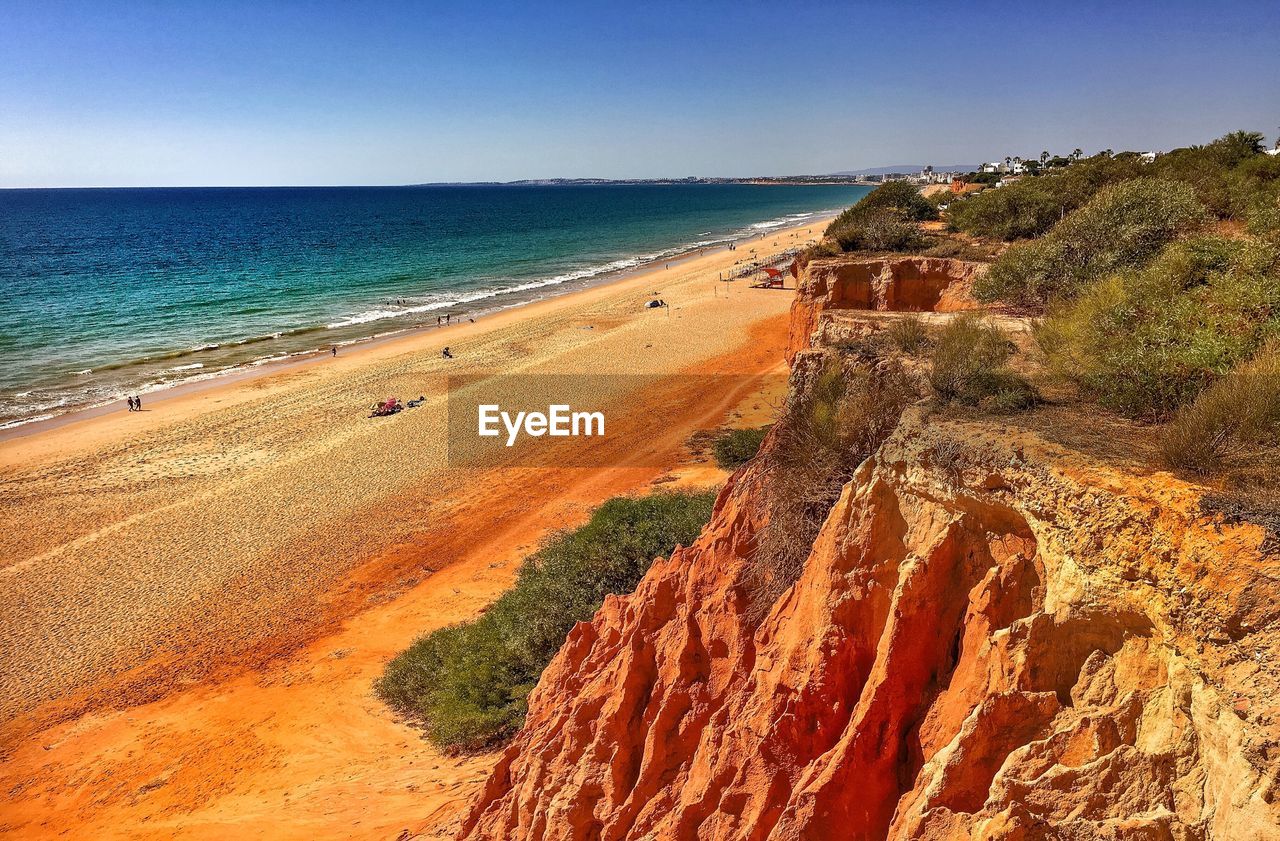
(1236, 413)
(1234, 508)
(909, 334)
(969, 367)
(829, 426)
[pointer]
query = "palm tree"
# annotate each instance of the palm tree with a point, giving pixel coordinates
(1044, 156)
(1075, 154)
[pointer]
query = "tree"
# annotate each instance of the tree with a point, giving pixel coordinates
(1044, 156)
(1076, 154)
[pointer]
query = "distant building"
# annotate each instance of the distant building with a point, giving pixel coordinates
(1013, 166)
(929, 176)
(1148, 157)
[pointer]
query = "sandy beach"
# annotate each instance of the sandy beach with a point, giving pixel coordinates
(195, 600)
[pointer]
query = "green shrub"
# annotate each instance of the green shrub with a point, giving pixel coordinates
(894, 195)
(1123, 226)
(1031, 206)
(969, 359)
(1023, 209)
(1145, 342)
(469, 684)
(1239, 410)
(877, 229)
(735, 447)
(1207, 169)
(908, 333)
(884, 220)
(938, 198)
(1262, 209)
(1254, 188)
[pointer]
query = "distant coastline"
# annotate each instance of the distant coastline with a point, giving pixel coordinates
(764, 180)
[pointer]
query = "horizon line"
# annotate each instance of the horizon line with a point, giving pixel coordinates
(518, 182)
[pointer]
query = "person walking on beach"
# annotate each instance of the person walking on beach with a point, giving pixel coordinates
(129, 399)
(335, 351)
(137, 403)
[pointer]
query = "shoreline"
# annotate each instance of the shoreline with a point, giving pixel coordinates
(182, 581)
(268, 366)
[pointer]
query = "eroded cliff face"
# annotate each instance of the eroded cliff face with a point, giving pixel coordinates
(993, 638)
(892, 284)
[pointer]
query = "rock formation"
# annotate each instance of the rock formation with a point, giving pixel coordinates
(893, 284)
(993, 638)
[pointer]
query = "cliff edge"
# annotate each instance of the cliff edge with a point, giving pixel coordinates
(993, 637)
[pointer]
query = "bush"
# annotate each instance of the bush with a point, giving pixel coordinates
(884, 220)
(736, 447)
(894, 195)
(1145, 342)
(938, 198)
(1207, 169)
(832, 421)
(1262, 209)
(878, 229)
(1031, 206)
(969, 359)
(468, 684)
(1023, 209)
(1239, 410)
(908, 334)
(1123, 226)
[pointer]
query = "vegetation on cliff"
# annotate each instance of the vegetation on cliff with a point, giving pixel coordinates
(1030, 207)
(1156, 282)
(835, 416)
(1146, 341)
(970, 361)
(884, 220)
(1121, 227)
(468, 684)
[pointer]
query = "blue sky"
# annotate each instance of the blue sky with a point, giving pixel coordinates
(232, 93)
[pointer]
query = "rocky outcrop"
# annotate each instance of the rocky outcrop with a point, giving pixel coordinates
(993, 638)
(895, 284)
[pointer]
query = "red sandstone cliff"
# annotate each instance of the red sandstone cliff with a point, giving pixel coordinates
(993, 637)
(893, 284)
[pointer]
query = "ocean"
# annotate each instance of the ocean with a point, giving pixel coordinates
(105, 292)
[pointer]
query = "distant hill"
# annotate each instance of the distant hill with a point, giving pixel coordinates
(884, 170)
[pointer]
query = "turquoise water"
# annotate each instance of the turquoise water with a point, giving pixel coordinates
(107, 292)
